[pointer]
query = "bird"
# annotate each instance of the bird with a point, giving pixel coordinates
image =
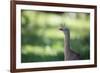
(69, 54)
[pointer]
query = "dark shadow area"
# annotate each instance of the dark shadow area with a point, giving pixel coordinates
(38, 58)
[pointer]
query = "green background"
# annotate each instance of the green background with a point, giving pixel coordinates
(41, 39)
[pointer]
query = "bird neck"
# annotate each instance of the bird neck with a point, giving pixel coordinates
(67, 44)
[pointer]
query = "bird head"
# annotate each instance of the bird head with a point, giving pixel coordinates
(63, 28)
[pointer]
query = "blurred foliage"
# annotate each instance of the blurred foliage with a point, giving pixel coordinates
(41, 39)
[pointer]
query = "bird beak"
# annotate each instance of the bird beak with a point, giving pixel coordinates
(61, 29)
